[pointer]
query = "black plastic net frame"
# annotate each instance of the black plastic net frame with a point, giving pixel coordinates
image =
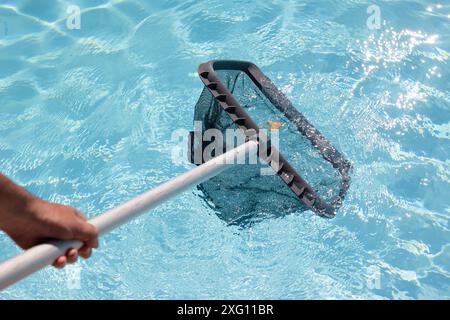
(237, 95)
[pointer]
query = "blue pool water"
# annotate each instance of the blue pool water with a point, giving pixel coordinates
(86, 118)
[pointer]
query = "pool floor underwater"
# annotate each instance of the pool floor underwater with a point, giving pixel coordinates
(87, 117)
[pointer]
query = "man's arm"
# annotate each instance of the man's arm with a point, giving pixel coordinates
(29, 221)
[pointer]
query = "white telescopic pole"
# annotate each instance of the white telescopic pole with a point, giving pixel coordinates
(40, 256)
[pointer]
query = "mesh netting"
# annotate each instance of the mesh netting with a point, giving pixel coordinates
(241, 194)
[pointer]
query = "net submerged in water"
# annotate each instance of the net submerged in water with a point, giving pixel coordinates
(309, 172)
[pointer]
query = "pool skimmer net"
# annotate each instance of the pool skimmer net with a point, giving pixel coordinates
(309, 174)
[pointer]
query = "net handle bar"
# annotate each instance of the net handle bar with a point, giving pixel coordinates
(40, 256)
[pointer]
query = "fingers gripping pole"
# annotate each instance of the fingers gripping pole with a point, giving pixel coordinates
(38, 257)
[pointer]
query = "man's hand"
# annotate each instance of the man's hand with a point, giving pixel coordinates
(43, 221)
(30, 221)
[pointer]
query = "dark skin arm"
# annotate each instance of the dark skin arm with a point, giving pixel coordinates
(29, 221)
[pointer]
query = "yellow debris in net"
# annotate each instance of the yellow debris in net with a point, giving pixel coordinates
(274, 125)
